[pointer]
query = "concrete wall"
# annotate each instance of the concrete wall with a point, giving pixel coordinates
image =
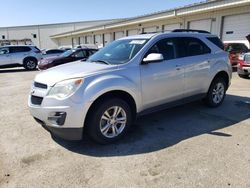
(43, 32)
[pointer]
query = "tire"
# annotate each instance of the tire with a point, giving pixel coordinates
(216, 93)
(102, 127)
(30, 64)
(243, 76)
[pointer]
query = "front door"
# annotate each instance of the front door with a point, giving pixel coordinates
(162, 82)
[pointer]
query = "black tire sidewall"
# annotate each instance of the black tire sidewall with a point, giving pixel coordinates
(209, 98)
(93, 123)
(26, 61)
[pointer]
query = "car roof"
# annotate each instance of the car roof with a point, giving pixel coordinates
(173, 34)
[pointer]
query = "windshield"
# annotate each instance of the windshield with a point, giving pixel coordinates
(119, 52)
(67, 53)
(236, 47)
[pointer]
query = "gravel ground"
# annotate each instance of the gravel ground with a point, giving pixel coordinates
(187, 146)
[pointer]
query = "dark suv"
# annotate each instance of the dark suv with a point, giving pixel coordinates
(66, 57)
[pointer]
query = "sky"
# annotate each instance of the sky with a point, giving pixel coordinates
(33, 12)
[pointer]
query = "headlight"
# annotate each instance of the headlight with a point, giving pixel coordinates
(65, 88)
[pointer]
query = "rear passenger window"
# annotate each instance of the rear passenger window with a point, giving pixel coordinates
(166, 47)
(188, 46)
(196, 47)
(19, 49)
(216, 41)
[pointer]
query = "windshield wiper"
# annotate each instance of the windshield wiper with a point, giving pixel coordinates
(101, 61)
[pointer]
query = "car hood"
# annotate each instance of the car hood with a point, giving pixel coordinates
(77, 69)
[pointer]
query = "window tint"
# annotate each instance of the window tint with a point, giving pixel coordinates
(91, 52)
(80, 54)
(188, 46)
(216, 41)
(166, 47)
(19, 49)
(54, 51)
(196, 47)
(4, 51)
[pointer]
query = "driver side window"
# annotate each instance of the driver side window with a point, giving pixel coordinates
(166, 47)
(4, 51)
(80, 54)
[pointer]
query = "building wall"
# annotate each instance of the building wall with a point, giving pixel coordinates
(43, 32)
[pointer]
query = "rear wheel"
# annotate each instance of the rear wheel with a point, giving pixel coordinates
(216, 93)
(109, 120)
(30, 63)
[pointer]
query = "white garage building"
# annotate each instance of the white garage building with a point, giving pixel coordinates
(229, 19)
(39, 35)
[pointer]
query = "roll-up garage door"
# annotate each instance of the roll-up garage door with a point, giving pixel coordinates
(171, 27)
(119, 34)
(133, 32)
(201, 25)
(98, 40)
(89, 39)
(107, 38)
(149, 29)
(236, 27)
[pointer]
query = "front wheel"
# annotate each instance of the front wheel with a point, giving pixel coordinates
(216, 93)
(109, 120)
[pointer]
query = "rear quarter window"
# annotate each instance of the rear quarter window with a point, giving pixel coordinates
(216, 41)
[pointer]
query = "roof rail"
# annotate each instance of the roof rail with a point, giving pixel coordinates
(190, 30)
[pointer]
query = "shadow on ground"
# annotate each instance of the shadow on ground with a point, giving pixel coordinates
(167, 128)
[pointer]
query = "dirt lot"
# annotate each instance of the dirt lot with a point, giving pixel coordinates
(188, 146)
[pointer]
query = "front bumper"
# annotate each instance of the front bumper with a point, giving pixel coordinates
(243, 70)
(62, 118)
(64, 133)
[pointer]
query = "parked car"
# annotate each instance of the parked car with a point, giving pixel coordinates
(52, 53)
(235, 50)
(243, 67)
(17, 56)
(66, 57)
(131, 76)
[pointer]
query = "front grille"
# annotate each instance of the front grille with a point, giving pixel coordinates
(39, 85)
(36, 100)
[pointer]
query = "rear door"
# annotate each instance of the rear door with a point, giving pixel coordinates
(194, 57)
(18, 53)
(5, 58)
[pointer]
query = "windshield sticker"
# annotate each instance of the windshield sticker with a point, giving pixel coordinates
(137, 42)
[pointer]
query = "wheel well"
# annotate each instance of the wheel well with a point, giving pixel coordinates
(114, 94)
(223, 75)
(30, 57)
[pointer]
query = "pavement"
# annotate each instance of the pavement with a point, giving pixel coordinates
(187, 146)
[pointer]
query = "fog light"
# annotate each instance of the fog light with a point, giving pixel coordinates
(57, 118)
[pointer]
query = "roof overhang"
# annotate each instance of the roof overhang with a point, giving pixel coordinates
(178, 12)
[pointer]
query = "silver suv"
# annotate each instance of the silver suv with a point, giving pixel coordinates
(131, 76)
(16, 56)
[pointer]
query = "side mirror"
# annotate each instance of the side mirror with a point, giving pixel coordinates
(153, 57)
